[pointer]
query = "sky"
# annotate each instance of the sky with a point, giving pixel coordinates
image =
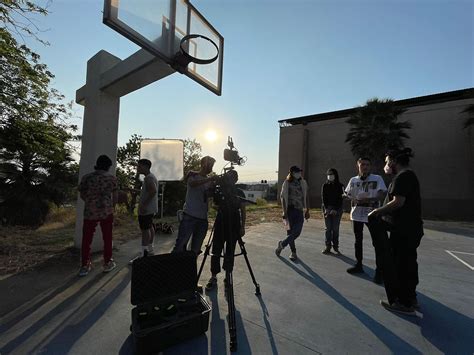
(282, 59)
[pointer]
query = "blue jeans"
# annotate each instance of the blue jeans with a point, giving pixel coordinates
(295, 220)
(332, 229)
(190, 226)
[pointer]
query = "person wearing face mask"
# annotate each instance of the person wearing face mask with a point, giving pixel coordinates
(402, 214)
(331, 194)
(365, 191)
(294, 201)
(194, 222)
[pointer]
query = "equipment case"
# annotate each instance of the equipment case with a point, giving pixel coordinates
(168, 308)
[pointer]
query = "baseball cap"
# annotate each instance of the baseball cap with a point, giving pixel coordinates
(295, 169)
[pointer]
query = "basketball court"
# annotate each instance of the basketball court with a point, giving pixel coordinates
(309, 307)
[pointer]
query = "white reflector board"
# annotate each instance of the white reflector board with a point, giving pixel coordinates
(166, 156)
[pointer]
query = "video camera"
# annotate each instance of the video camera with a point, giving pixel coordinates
(232, 155)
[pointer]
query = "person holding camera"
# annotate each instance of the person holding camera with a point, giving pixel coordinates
(401, 215)
(294, 201)
(228, 227)
(194, 221)
(331, 193)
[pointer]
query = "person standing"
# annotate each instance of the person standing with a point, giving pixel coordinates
(229, 227)
(365, 191)
(99, 192)
(294, 201)
(331, 194)
(194, 222)
(147, 206)
(402, 212)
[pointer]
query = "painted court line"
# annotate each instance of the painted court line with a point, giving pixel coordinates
(459, 259)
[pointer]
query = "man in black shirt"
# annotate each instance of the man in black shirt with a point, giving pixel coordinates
(402, 215)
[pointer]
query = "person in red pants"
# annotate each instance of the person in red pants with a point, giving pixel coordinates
(99, 192)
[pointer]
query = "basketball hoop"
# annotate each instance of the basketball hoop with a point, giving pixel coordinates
(204, 51)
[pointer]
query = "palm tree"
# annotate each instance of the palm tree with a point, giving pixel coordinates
(470, 120)
(375, 129)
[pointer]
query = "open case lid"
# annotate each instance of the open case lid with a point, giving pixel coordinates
(161, 276)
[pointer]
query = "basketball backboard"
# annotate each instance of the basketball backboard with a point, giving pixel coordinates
(159, 25)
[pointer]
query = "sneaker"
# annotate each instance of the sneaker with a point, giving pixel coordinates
(110, 266)
(327, 250)
(378, 278)
(293, 256)
(211, 284)
(356, 269)
(336, 250)
(397, 307)
(84, 270)
(415, 304)
(279, 248)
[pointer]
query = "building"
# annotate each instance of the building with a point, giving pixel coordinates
(254, 191)
(444, 151)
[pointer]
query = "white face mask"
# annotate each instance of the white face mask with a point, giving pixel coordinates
(331, 177)
(296, 175)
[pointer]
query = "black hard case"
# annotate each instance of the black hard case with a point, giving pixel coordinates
(169, 310)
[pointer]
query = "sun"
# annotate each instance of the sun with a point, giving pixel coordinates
(211, 135)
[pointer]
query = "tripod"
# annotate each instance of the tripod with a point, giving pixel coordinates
(230, 237)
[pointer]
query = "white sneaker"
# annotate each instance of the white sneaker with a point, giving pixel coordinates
(110, 266)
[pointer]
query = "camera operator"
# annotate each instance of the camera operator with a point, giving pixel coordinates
(229, 226)
(194, 222)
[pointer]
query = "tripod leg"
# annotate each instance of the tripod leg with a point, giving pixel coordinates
(231, 315)
(206, 253)
(244, 253)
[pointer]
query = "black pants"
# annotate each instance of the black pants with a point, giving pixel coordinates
(398, 255)
(218, 244)
(358, 228)
(403, 246)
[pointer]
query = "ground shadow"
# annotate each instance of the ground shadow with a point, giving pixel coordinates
(68, 334)
(127, 347)
(268, 326)
(217, 325)
(61, 307)
(449, 331)
(392, 341)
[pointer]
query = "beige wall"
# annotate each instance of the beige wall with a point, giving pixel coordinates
(444, 156)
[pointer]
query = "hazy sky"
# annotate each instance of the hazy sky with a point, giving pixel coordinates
(282, 59)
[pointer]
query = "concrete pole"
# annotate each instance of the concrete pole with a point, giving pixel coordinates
(99, 132)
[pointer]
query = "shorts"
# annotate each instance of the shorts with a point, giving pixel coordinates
(145, 222)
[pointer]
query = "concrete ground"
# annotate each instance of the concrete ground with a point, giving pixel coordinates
(311, 306)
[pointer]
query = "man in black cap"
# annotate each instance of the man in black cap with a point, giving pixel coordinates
(294, 201)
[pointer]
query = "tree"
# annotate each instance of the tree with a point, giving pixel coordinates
(470, 119)
(127, 158)
(35, 155)
(375, 129)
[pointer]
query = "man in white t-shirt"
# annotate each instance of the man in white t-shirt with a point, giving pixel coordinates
(365, 191)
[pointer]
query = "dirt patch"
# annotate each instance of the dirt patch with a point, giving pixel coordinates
(23, 249)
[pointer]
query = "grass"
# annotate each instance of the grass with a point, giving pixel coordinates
(23, 248)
